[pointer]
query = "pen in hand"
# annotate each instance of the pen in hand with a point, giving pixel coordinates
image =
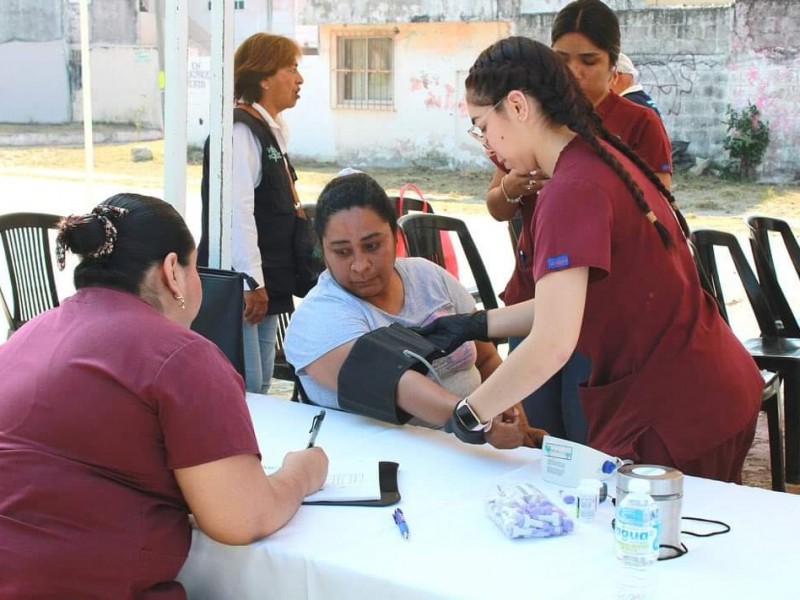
(315, 426)
(400, 520)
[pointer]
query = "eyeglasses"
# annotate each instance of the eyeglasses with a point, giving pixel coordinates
(478, 133)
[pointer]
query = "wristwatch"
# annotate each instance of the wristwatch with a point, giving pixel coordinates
(463, 411)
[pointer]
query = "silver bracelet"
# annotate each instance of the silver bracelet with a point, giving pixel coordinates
(516, 200)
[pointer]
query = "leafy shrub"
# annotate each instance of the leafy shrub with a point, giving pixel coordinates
(746, 141)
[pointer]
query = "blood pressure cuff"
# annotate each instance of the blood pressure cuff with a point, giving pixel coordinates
(369, 376)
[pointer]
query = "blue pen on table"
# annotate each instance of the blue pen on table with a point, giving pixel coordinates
(315, 426)
(400, 520)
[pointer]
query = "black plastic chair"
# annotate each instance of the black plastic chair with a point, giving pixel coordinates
(282, 370)
(779, 358)
(422, 231)
(760, 229)
(221, 313)
(28, 255)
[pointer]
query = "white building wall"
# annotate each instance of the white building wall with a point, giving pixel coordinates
(429, 122)
(312, 122)
(125, 86)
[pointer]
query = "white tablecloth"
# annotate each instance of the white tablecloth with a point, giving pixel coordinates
(455, 551)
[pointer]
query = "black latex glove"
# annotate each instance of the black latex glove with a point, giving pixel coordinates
(448, 333)
(457, 428)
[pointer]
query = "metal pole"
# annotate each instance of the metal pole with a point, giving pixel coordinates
(175, 100)
(221, 132)
(159, 12)
(86, 86)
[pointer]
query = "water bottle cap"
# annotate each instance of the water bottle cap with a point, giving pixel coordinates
(639, 485)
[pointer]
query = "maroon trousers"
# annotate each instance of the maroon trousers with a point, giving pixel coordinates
(723, 463)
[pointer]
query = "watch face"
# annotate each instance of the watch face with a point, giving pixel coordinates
(467, 417)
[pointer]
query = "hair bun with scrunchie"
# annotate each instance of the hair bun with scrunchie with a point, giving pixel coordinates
(92, 235)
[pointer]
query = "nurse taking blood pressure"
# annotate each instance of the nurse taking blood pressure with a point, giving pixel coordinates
(670, 384)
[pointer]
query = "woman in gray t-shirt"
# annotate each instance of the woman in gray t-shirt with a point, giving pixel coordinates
(365, 287)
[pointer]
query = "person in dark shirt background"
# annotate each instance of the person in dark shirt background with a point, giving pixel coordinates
(626, 84)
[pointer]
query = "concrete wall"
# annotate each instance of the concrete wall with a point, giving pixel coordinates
(693, 61)
(33, 53)
(125, 86)
(764, 67)
(331, 12)
(684, 3)
(681, 56)
(113, 21)
(254, 18)
(31, 20)
(376, 11)
(34, 85)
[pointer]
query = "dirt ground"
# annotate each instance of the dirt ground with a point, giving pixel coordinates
(706, 201)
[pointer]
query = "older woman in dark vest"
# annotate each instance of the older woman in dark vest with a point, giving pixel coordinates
(266, 82)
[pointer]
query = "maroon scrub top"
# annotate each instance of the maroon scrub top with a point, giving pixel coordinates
(102, 398)
(663, 359)
(637, 126)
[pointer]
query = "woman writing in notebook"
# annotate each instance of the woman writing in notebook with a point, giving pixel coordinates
(117, 421)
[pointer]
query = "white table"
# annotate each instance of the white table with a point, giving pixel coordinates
(454, 551)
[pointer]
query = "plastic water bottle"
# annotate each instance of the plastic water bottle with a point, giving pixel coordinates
(637, 531)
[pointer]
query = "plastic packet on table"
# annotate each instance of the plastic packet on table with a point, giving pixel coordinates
(521, 510)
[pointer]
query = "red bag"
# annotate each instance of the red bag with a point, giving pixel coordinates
(448, 251)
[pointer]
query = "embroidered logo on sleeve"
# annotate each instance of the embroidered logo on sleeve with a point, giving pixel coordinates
(558, 262)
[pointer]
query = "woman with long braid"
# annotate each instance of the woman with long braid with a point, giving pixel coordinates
(586, 35)
(670, 384)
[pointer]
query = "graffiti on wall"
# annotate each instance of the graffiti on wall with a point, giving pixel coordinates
(668, 80)
(436, 94)
(772, 88)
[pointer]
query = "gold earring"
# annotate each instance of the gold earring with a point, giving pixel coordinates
(182, 300)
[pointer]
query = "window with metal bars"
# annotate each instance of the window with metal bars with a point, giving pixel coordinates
(364, 72)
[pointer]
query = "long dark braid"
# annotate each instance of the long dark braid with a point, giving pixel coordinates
(519, 63)
(644, 168)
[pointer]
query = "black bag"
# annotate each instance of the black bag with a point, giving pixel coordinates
(308, 263)
(221, 313)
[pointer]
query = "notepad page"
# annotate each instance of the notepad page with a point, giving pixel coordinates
(347, 481)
